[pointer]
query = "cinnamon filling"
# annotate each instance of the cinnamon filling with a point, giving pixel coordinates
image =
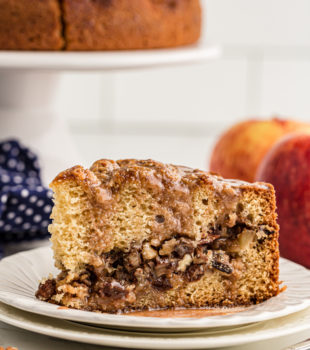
(159, 265)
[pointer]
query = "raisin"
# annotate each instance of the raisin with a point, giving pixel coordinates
(268, 233)
(236, 230)
(46, 290)
(162, 283)
(182, 250)
(222, 267)
(113, 290)
(194, 273)
(185, 247)
(160, 219)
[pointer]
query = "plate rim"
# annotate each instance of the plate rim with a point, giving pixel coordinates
(26, 304)
(128, 341)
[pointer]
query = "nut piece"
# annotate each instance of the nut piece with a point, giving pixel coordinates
(148, 252)
(134, 259)
(232, 218)
(184, 263)
(246, 238)
(155, 242)
(168, 247)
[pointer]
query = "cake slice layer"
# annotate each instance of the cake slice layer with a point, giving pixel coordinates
(141, 234)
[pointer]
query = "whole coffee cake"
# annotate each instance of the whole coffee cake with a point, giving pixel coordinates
(98, 24)
(139, 234)
(30, 25)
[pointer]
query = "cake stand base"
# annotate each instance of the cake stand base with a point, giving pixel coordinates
(26, 114)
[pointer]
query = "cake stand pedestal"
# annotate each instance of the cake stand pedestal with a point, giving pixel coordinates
(29, 81)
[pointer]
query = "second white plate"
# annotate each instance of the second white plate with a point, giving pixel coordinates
(21, 273)
(277, 334)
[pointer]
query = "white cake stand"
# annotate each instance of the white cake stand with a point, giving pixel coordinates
(29, 80)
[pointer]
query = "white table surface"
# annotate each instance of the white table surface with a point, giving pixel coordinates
(24, 340)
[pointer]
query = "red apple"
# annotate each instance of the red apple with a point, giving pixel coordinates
(240, 149)
(287, 167)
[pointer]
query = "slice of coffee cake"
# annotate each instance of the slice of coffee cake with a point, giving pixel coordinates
(139, 234)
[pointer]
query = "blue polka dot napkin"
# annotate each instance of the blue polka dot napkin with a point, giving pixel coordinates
(25, 205)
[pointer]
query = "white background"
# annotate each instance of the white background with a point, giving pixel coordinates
(174, 114)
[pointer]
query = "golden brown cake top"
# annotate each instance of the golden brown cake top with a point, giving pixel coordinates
(113, 174)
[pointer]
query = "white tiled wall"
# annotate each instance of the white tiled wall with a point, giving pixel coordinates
(196, 93)
(264, 70)
(258, 22)
(286, 88)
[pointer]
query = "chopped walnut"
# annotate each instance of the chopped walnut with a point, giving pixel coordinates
(71, 276)
(148, 252)
(155, 242)
(203, 257)
(168, 247)
(162, 269)
(260, 234)
(85, 279)
(79, 290)
(184, 263)
(58, 297)
(134, 258)
(232, 218)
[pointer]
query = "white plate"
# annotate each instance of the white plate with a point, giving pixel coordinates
(21, 273)
(272, 329)
(105, 60)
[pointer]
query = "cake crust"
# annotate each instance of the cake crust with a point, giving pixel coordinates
(136, 234)
(134, 24)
